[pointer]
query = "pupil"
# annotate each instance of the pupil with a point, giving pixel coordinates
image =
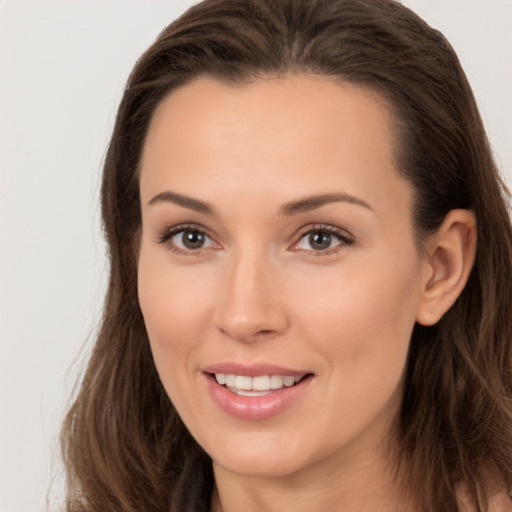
(320, 240)
(193, 239)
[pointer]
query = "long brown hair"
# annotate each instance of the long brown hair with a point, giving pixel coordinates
(124, 446)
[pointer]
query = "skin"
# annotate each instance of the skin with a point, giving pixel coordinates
(257, 291)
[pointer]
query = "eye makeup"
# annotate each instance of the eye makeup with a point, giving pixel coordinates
(318, 239)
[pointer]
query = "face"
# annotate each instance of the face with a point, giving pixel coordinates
(279, 277)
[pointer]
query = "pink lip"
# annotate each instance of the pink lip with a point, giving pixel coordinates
(253, 370)
(257, 407)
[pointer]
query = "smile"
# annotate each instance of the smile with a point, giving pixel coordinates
(261, 385)
(266, 392)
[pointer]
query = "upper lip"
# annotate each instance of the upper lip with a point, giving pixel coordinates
(253, 370)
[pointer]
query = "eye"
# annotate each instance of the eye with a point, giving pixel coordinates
(188, 239)
(185, 239)
(322, 239)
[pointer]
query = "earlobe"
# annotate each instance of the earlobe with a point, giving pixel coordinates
(449, 257)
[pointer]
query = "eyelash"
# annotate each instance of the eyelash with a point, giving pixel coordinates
(344, 238)
(165, 237)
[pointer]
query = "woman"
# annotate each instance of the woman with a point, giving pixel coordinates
(299, 314)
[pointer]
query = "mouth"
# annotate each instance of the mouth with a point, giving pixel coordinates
(257, 391)
(260, 385)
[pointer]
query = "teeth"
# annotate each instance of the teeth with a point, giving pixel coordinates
(243, 382)
(242, 392)
(261, 383)
(289, 381)
(221, 378)
(254, 386)
(276, 382)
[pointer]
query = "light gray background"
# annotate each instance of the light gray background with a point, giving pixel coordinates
(63, 65)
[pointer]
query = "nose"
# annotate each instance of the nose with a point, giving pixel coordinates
(251, 305)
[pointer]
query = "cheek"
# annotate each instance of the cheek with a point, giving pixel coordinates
(175, 311)
(173, 299)
(362, 328)
(170, 306)
(355, 303)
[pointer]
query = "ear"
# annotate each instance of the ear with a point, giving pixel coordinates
(449, 257)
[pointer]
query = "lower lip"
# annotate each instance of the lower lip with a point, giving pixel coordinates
(255, 407)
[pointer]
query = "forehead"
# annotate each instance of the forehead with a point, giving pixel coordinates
(290, 134)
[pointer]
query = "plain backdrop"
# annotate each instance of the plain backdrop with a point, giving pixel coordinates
(63, 64)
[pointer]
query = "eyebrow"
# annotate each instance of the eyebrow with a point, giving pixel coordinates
(292, 208)
(184, 201)
(313, 202)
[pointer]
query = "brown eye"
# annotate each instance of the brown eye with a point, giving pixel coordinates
(320, 240)
(191, 240)
(323, 239)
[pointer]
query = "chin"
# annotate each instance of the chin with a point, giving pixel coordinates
(259, 466)
(263, 458)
